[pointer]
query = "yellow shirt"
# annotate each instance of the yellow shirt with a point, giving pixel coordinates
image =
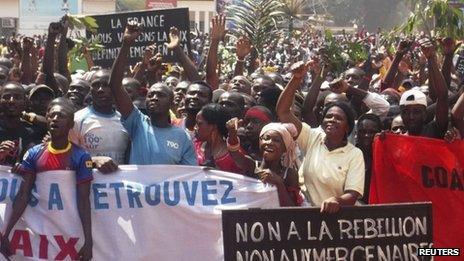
(323, 173)
(3, 49)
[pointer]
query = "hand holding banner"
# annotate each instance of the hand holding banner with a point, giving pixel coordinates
(139, 213)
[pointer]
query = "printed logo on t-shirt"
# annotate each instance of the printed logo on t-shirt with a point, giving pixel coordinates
(173, 144)
(88, 164)
(92, 141)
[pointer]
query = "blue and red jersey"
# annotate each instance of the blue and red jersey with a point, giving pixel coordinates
(44, 157)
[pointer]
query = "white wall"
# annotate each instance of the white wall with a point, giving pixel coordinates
(98, 6)
(9, 8)
(200, 6)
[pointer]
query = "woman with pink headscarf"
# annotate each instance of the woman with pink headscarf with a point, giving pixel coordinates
(279, 160)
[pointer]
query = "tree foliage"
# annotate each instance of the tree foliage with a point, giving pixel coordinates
(256, 19)
(436, 17)
(79, 22)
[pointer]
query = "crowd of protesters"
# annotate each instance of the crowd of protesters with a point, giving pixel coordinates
(280, 115)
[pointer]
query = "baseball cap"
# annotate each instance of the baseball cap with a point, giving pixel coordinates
(413, 97)
(41, 87)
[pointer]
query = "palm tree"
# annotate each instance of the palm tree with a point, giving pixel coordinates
(293, 10)
(256, 19)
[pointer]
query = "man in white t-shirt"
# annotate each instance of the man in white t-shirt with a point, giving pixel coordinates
(98, 128)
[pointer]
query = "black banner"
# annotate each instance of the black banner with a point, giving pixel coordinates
(460, 65)
(155, 29)
(380, 232)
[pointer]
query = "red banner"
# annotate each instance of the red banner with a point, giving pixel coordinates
(416, 169)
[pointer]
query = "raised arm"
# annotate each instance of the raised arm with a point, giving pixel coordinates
(242, 49)
(218, 31)
(121, 97)
(285, 102)
(189, 67)
(437, 82)
(26, 63)
(368, 72)
(154, 72)
(141, 67)
(244, 162)
(88, 58)
(49, 59)
(63, 49)
(378, 105)
(449, 47)
(403, 47)
(311, 98)
(34, 61)
(403, 70)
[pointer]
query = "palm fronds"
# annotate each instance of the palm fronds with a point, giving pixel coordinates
(256, 19)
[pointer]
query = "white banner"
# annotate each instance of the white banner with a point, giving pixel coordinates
(139, 213)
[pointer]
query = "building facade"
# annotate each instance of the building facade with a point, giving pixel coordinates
(15, 19)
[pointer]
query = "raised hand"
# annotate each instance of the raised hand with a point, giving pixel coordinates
(28, 45)
(422, 59)
(155, 62)
(404, 46)
(233, 125)
(403, 67)
(427, 48)
(338, 86)
(54, 29)
(243, 47)
(148, 54)
(218, 30)
(15, 74)
(64, 25)
(131, 33)
(449, 45)
(174, 39)
(300, 69)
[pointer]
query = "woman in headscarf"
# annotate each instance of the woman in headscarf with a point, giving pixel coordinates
(255, 119)
(279, 159)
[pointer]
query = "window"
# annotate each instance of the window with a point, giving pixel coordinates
(8, 23)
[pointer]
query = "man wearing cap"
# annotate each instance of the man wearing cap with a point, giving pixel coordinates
(413, 103)
(39, 97)
(413, 106)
